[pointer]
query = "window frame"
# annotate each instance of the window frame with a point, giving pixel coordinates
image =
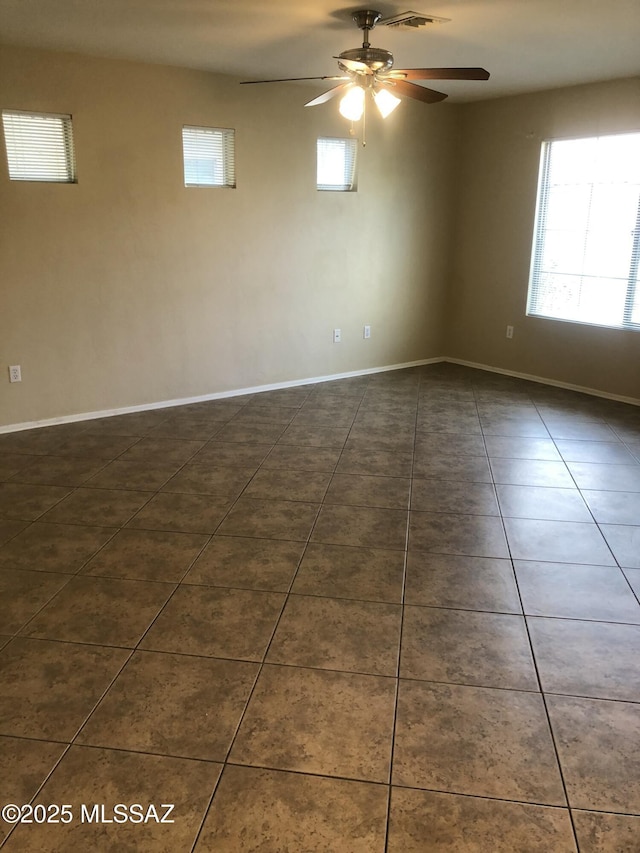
(227, 155)
(536, 272)
(34, 154)
(350, 148)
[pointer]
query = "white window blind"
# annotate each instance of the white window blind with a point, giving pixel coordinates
(39, 146)
(585, 264)
(336, 164)
(209, 157)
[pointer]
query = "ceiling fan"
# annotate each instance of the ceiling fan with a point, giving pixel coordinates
(370, 69)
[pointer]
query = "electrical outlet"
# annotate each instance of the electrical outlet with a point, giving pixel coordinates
(366, 332)
(15, 374)
(509, 332)
(337, 336)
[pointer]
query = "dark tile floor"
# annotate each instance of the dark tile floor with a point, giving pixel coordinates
(397, 613)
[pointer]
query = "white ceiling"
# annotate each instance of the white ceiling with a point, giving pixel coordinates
(527, 45)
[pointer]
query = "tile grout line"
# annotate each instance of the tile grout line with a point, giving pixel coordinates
(262, 663)
(290, 593)
(542, 694)
(571, 474)
(118, 673)
(400, 635)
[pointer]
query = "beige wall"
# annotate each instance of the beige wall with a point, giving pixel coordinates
(128, 289)
(499, 156)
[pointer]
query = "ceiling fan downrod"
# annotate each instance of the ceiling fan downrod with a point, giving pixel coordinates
(366, 19)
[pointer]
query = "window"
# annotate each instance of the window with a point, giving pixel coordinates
(586, 246)
(39, 147)
(209, 157)
(337, 164)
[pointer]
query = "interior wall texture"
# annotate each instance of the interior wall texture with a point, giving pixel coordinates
(128, 289)
(498, 162)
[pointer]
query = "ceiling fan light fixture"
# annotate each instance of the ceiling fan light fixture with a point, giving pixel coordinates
(369, 69)
(385, 102)
(352, 104)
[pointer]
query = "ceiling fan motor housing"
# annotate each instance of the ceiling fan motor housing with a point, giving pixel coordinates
(375, 58)
(366, 19)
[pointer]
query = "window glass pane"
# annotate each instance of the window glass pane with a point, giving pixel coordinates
(598, 301)
(634, 296)
(568, 207)
(608, 252)
(39, 147)
(635, 308)
(557, 294)
(562, 251)
(336, 168)
(602, 301)
(586, 240)
(209, 157)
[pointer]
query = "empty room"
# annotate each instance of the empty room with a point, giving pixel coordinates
(319, 427)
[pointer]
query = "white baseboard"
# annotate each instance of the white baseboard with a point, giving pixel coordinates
(295, 383)
(544, 381)
(218, 395)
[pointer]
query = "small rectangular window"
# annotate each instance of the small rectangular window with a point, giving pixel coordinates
(39, 147)
(585, 264)
(336, 164)
(209, 157)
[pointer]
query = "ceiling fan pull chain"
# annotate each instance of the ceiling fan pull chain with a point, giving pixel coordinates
(364, 124)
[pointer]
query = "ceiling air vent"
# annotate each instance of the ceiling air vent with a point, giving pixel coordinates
(411, 20)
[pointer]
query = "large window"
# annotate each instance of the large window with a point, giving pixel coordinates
(586, 249)
(39, 147)
(336, 164)
(209, 157)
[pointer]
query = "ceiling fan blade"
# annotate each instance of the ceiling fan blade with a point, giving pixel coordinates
(326, 96)
(410, 90)
(439, 74)
(354, 65)
(293, 79)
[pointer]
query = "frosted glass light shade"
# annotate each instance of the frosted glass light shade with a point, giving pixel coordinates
(385, 102)
(352, 104)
